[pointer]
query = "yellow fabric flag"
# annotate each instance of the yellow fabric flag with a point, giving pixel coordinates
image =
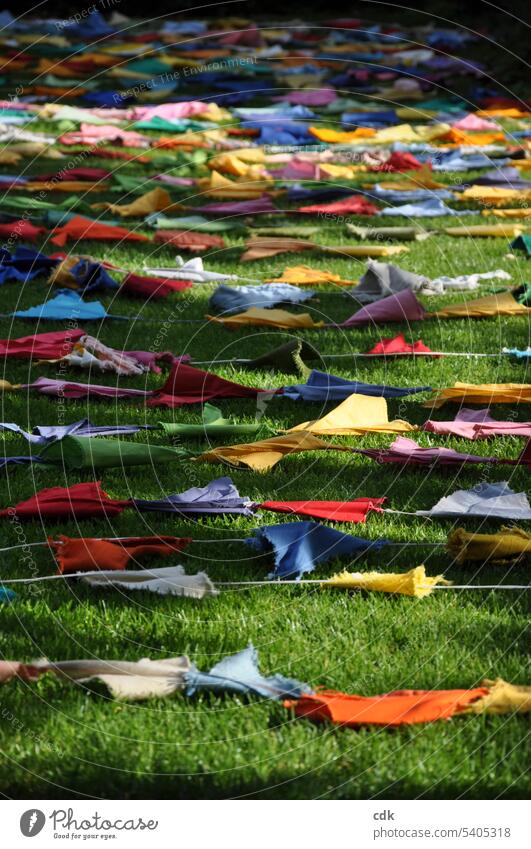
(493, 194)
(507, 545)
(504, 231)
(355, 416)
(268, 318)
(219, 186)
(413, 583)
(6, 386)
(482, 393)
(263, 455)
(303, 275)
(522, 212)
(157, 200)
(230, 163)
(502, 698)
(502, 303)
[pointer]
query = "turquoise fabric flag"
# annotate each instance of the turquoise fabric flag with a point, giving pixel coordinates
(66, 305)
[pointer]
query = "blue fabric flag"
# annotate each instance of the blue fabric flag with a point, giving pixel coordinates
(239, 673)
(6, 595)
(299, 546)
(516, 352)
(233, 299)
(453, 160)
(369, 119)
(24, 264)
(91, 276)
(424, 209)
(322, 386)
(381, 193)
(66, 305)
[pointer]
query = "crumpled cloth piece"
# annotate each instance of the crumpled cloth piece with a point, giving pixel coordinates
(298, 547)
(268, 318)
(356, 416)
(263, 455)
(401, 707)
(81, 452)
(124, 679)
(404, 451)
(168, 580)
(235, 299)
(82, 500)
(303, 275)
(508, 545)
(414, 583)
(189, 385)
(220, 496)
(502, 698)
(503, 303)
(382, 279)
(488, 500)
(157, 200)
(321, 386)
(239, 673)
(403, 306)
(482, 393)
(288, 358)
(333, 511)
(477, 424)
(86, 554)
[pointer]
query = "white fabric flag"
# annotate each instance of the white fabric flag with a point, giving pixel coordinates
(491, 500)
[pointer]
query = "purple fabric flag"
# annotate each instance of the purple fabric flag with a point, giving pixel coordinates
(66, 389)
(404, 306)
(299, 546)
(405, 451)
(218, 496)
(261, 205)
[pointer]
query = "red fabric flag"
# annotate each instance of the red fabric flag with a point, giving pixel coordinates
(355, 204)
(80, 501)
(401, 161)
(22, 229)
(335, 511)
(46, 346)
(152, 287)
(402, 707)
(404, 306)
(88, 554)
(90, 174)
(84, 228)
(189, 385)
(188, 240)
(398, 345)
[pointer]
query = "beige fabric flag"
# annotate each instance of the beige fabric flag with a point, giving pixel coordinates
(263, 455)
(168, 580)
(218, 186)
(125, 679)
(504, 231)
(355, 416)
(502, 303)
(157, 200)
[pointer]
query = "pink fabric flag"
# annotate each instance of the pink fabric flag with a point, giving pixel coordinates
(404, 306)
(66, 389)
(319, 97)
(477, 424)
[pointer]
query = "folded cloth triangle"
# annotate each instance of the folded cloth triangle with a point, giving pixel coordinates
(168, 580)
(403, 306)
(86, 554)
(334, 511)
(355, 416)
(263, 455)
(321, 386)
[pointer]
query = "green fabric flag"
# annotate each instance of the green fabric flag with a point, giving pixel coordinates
(523, 294)
(78, 452)
(184, 125)
(522, 243)
(213, 425)
(191, 222)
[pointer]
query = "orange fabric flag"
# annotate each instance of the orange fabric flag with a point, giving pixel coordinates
(86, 554)
(268, 318)
(341, 137)
(401, 707)
(502, 303)
(263, 455)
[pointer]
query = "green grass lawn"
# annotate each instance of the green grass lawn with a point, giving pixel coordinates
(62, 741)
